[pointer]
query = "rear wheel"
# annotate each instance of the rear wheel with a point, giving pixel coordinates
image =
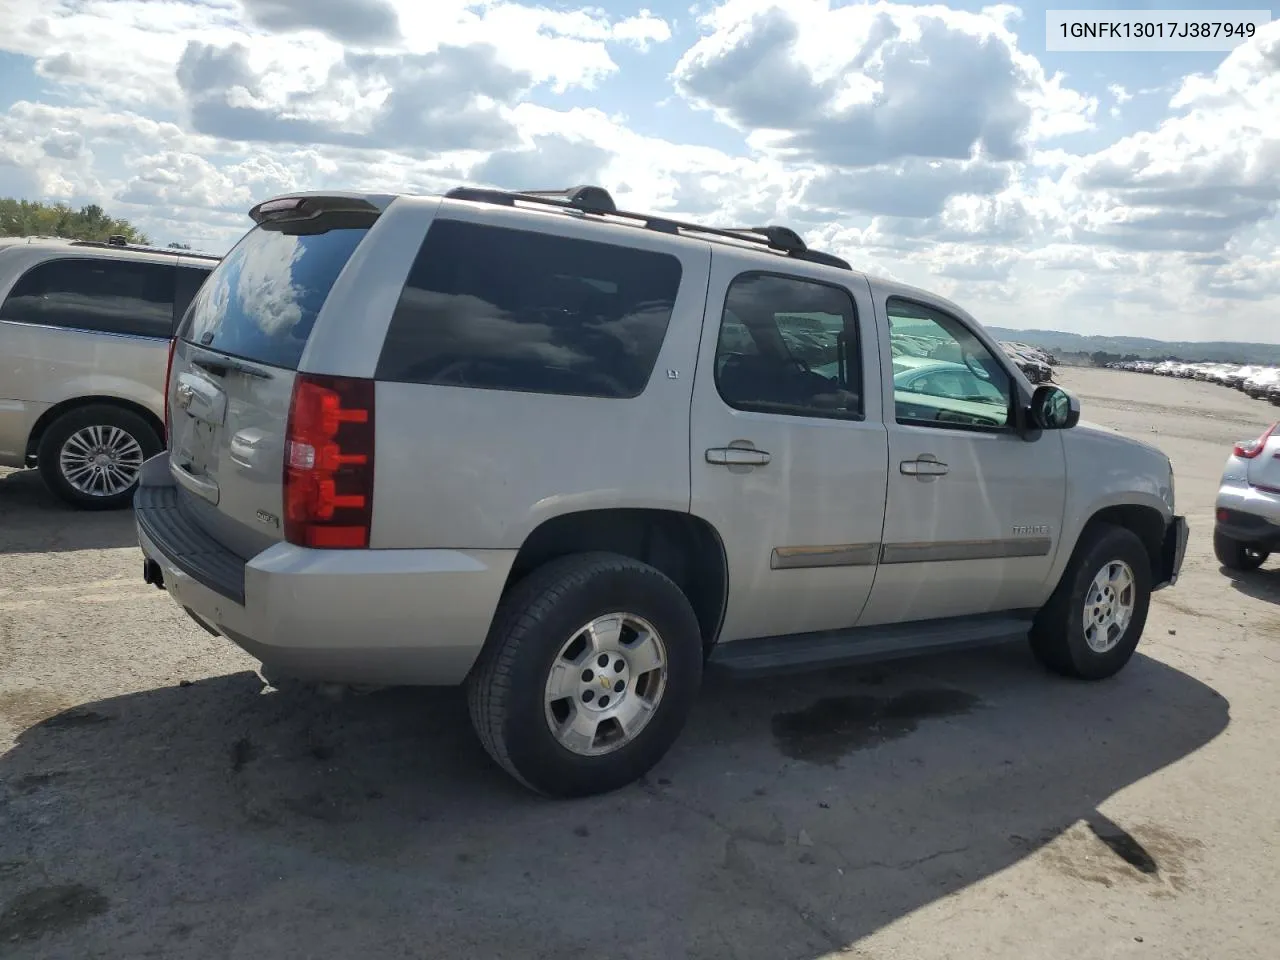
(91, 456)
(1235, 555)
(1091, 625)
(588, 675)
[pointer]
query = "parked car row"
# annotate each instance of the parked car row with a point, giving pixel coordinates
(1036, 364)
(1259, 382)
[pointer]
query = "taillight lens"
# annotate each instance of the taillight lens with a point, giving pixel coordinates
(168, 372)
(1254, 447)
(328, 462)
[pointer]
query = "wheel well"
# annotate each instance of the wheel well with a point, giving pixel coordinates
(1146, 522)
(58, 409)
(684, 547)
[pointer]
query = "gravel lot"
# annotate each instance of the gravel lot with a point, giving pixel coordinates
(155, 802)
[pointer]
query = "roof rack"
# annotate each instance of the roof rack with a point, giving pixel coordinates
(117, 242)
(597, 200)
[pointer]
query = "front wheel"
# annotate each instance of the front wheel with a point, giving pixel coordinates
(91, 456)
(1091, 625)
(1235, 555)
(587, 676)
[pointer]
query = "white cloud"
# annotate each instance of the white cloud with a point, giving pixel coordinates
(642, 31)
(1206, 173)
(863, 85)
(918, 141)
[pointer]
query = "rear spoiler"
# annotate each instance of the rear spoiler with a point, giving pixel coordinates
(336, 209)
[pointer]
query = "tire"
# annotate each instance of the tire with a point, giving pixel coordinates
(129, 435)
(1235, 555)
(1058, 636)
(507, 689)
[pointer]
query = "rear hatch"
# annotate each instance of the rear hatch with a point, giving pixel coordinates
(235, 362)
(1264, 466)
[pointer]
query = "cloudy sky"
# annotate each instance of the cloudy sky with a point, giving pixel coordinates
(942, 145)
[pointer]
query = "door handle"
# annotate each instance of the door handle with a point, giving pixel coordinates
(738, 456)
(924, 467)
(201, 486)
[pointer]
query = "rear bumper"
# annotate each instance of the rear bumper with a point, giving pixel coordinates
(1247, 514)
(1172, 553)
(346, 616)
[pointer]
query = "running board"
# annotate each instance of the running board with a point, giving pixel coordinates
(833, 648)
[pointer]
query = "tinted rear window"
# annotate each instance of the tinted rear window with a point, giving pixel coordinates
(505, 309)
(107, 296)
(262, 300)
(188, 282)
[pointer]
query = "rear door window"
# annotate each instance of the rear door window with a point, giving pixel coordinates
(789, 346)
(505, 309)
(262, 300)
(186, 285)
(104, 296)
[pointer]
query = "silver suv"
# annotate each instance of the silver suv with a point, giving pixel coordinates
(568, 456)
(84, 330)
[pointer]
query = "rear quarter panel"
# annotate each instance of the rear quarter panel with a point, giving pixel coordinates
(481, 469)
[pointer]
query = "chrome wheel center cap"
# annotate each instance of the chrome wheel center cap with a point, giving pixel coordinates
(604, 681)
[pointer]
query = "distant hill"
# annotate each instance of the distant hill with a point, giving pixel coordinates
(1143, 348)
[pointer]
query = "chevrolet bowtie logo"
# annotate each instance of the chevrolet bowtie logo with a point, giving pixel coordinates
(604, 682)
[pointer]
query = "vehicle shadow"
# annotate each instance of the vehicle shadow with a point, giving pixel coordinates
(792, 819)
(33, 520)
(1258, 584)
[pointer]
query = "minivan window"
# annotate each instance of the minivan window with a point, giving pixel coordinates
(187, 284)
(505, 309)
(122, 297)
(262, 300)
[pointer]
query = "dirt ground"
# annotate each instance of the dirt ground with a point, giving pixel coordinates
(155, 802)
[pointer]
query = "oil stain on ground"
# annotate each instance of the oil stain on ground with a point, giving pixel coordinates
(828, 729)
(1123, 844)
(43, 910)
(1102, 852)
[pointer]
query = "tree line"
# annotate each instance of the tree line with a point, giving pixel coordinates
(31, 218)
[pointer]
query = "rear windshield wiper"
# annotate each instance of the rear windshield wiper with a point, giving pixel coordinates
(221, 366)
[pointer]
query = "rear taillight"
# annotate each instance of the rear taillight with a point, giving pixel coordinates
(328, 462)
(168, 372)
(1254, 447)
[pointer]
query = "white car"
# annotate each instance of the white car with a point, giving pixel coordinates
(1247, 515)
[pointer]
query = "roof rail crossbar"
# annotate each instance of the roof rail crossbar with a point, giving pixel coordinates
(481, 195)
(584, 197)
(597, 200)
(780, 238)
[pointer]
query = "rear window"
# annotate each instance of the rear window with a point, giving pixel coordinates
(262, 300)
(504, 309)
(124, 297)
(187, 282)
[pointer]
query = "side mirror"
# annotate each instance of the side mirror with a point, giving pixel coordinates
(1052, 408)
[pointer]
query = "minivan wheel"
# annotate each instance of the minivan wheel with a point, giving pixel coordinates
(588, 674)
(1092, 623)
(91, 456)
(1235, 555)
